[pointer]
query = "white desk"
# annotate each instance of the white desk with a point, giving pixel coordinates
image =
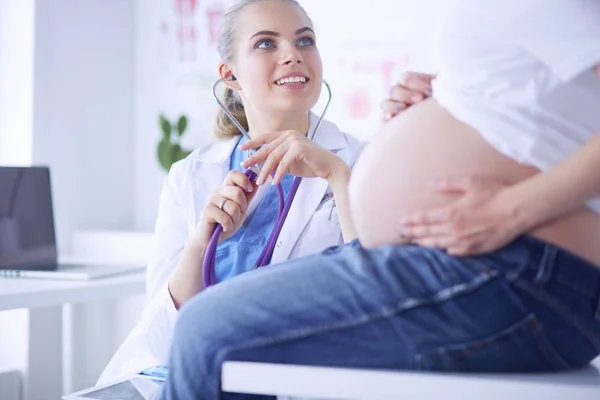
(31, 293)
(48, 324)
(355, 384)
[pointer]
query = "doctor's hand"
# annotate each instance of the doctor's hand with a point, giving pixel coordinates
(412, 88)
(227, 206)
(480, 221)
(292, 152)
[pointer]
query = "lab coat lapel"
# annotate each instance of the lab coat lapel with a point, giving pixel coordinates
(310, 194)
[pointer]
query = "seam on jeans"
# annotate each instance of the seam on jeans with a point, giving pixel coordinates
(579, 290)
(384, 312)
(563, 311)
(535, 328)
(545, 266)
(546, 346)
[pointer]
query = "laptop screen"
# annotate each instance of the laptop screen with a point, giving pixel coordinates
(27, 238)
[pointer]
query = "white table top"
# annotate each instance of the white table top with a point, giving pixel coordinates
(28, 293)
(356, 384)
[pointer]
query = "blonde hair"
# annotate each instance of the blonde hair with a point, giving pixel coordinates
(224, 128)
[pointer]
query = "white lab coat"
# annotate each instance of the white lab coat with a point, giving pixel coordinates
(312, 225)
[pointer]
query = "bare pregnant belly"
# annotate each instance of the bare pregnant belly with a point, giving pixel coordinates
(425, 143)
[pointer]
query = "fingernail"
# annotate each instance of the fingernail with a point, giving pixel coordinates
(243, 164)
(416, 98)
(428, 92)
(399, 107)
(250, 188)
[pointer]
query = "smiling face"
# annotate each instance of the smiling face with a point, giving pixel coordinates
(275, 58)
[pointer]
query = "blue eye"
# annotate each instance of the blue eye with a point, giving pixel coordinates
(265, 44)
(306, 41)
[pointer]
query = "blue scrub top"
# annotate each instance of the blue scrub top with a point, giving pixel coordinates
(239, 253)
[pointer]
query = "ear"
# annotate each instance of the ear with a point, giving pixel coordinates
(225, 71)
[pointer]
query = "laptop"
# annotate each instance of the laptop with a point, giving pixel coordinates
(27, 234)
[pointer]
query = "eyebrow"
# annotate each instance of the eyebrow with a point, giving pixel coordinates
(271, 33)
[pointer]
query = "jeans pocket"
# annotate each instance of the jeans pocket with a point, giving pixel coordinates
(522, 347)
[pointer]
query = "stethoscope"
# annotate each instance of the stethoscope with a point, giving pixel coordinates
(208, 268)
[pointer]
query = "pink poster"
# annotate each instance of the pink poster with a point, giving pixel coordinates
(214, 12)
(186, 28)
(365, 82)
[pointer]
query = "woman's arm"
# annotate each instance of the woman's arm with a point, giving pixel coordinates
(187, 281)
(489, 214)
(227, 206)
(338, 182)
(563, 188)
(293, 153)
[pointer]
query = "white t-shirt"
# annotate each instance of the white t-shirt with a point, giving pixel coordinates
(521, 73)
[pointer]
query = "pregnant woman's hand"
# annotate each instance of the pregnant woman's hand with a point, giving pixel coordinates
(478, 222)
(227, 206)
(292, 152)
(412, 88)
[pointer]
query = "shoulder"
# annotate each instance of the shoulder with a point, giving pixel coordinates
(354, 144)
(333, 138)
(214, 152)
(350, 147)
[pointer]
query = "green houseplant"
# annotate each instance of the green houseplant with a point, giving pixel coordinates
(169, 148)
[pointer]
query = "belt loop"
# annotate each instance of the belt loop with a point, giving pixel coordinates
(546, 264)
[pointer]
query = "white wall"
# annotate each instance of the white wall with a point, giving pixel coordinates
(84, 131)
(83, 111)
(16, 131)
(66, 100)
(16, 81)
(364, 46)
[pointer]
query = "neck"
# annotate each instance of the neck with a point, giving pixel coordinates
(261, 123)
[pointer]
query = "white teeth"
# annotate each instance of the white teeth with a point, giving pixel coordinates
(293, 79)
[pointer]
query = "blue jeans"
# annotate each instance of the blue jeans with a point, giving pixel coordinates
(527, 307)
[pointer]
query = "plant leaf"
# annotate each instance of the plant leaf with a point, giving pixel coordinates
(179, 153)
(165, 126)
(165, 152)
(183, 154)
(182, 125)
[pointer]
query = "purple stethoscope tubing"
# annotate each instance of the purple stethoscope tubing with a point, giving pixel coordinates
(209, 264)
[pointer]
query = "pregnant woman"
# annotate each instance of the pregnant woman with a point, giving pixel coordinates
(478, 217)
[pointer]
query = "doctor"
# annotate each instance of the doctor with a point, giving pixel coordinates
(270, 48)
